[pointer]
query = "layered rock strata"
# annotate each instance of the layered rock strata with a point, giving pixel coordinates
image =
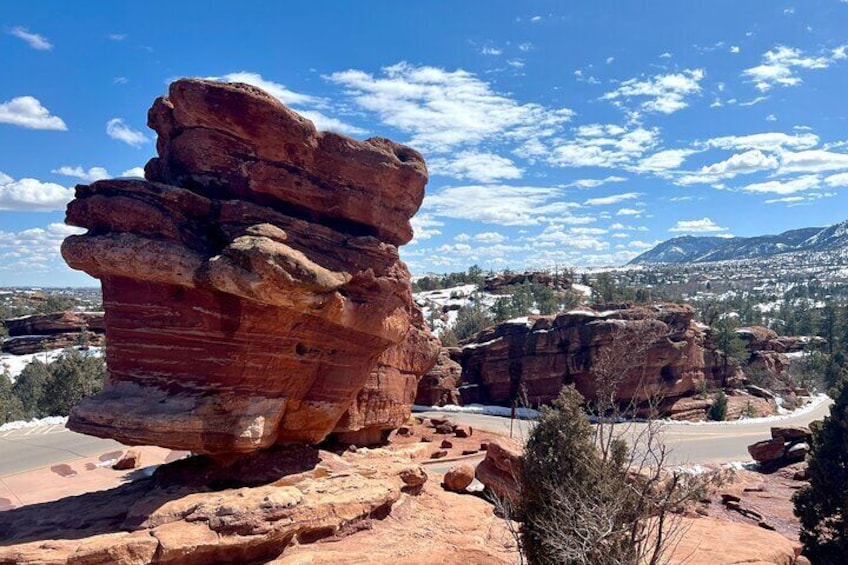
(252, 282)
(57, 330)
(650, 353)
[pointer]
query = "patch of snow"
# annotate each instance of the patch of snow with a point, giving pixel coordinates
(503, 411)
(582, 289)
(14, 364)
(814, 403)
(484, 344)
(22, 424)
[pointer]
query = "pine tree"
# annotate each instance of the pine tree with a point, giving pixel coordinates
(822, 506)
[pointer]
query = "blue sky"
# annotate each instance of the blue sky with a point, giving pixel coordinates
(577, 133)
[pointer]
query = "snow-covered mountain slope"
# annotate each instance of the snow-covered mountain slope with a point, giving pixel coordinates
(690, 249)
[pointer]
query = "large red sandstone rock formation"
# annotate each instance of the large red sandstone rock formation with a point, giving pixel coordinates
(652, 351)
(56, 330)
(252, 285)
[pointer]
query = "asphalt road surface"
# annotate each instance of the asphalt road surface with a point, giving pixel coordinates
(31, 448)
(688, 444)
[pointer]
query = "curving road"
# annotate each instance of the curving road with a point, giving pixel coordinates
(688, 444)
(31, 448)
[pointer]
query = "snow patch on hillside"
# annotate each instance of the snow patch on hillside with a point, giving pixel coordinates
(14, 364)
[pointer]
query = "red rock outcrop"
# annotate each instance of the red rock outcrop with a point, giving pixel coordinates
(273, 501)
(652, 351)
(439, 386)
(252, 282)
(57, 330)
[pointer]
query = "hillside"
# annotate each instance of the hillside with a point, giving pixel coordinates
(691, 249)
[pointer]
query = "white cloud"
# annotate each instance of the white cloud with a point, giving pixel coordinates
(780, 65)
(117, 129)
(490, 237)
(32, 195)
(734, 49)
(425, 226)
(503, 205)
(665, 55)
(741, 163)
(34, 40)
(599, 145)
(798, 184)
(771, 118)
(610, 60)
(134, 172)
(493, 51)
(95, 173)
(536, 19)
(296, 99)
(442, 109)
(593, 183)
(837, 180)
(664, 160)
(666, 93)
(91, 175)
(772, 141)
(27, 112)
(812, 161)
(704, 225)
(34, 249)
(480, 167)
(613, 199)
(629, 212)
(117, 36)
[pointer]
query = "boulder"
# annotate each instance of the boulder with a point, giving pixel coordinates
(500, 471)
(766, 451)
(459, 477)
(129, 460)
(252, 284)
(791, 433)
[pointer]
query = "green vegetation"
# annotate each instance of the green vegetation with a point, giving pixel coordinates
(822, 506)
(718, 409)
(50, 389)
(474, 275)
(731, 347)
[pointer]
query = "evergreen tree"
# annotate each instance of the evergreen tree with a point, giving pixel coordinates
(74, 376)
(565, 484)
(30, 386)
(822, 506)
(731, 347)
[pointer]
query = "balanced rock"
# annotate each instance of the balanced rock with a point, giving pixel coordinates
(252, 285)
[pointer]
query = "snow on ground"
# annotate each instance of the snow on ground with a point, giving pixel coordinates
(503, 411)
(14, 364)
(529, 413)
(22, 424)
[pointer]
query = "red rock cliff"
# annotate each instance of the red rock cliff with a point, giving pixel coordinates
(252, 282)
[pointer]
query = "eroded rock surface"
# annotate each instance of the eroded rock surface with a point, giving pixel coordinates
(197, 512)
(653, 352)
(252, 285)
(56, 330)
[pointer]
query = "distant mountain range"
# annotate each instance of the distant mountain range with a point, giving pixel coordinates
(691, 249)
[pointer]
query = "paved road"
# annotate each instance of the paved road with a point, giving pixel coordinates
(31, 448)
(711, 443)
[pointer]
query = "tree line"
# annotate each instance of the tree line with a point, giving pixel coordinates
(50, 389)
